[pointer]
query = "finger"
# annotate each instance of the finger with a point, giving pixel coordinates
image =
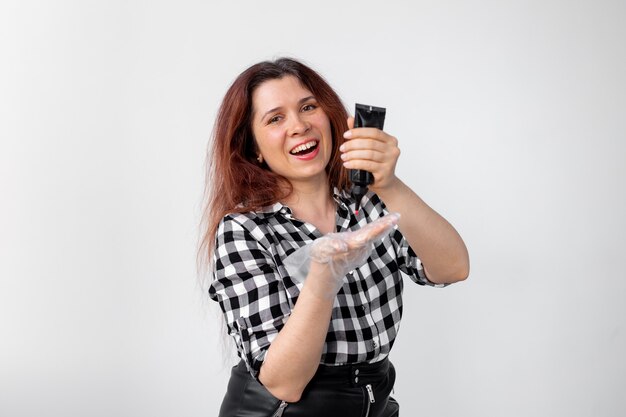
(374, 230)
(366, 165)
(379, 227)
(368, 155)
(361, 143)
(326, 247)
(350, 122)
(391, 219)
(367, 132)
(367, 234)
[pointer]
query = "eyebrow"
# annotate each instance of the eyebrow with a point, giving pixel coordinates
(300, 102)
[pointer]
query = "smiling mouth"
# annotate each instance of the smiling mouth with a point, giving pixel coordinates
(305, 148)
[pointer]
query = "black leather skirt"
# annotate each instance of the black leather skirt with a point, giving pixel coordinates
(360, 390)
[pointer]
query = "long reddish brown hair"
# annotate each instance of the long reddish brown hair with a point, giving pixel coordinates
(235, 180)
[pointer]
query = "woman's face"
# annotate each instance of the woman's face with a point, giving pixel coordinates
(291, 130)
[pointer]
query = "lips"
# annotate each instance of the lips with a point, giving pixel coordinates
(304, 147)
(305, 151)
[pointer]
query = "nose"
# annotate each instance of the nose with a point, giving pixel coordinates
(299, 126)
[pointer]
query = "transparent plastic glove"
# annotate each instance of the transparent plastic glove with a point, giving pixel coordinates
(329, 258)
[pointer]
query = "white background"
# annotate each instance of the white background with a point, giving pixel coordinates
(511, 119)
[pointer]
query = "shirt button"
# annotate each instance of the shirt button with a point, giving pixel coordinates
(374, 344)
(356, 372)
(356, 379)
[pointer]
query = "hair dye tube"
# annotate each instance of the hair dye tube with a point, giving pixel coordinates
(364, 116)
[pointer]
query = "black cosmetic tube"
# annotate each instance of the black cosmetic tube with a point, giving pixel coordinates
(364, 116)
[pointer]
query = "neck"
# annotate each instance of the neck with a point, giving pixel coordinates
(314, 204)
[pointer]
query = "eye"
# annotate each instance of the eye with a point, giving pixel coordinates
(273, 119)
(309, 107)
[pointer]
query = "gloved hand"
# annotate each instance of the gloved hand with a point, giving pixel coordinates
(328, 259)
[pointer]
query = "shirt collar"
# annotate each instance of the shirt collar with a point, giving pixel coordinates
(273, 209)
(342, 198)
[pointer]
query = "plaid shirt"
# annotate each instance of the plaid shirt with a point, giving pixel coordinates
(257, 294)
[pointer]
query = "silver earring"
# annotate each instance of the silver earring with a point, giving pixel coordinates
(260, 159)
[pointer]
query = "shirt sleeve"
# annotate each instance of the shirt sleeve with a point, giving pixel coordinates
(249, 289)
(409, 263)
(407, 259)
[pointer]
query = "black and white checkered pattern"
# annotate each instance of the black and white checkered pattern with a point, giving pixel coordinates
(257, 294)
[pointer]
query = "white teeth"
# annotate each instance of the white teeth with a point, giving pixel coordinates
(303, 147)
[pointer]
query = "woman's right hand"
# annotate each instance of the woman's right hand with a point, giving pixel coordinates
(336, 254)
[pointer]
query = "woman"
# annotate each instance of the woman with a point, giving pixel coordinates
(315, 344)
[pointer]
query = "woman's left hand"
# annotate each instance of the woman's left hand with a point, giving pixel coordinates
(372, 150)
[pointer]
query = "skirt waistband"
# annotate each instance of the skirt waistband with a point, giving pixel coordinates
(356, 375)
(334, 391)
(353, 375)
